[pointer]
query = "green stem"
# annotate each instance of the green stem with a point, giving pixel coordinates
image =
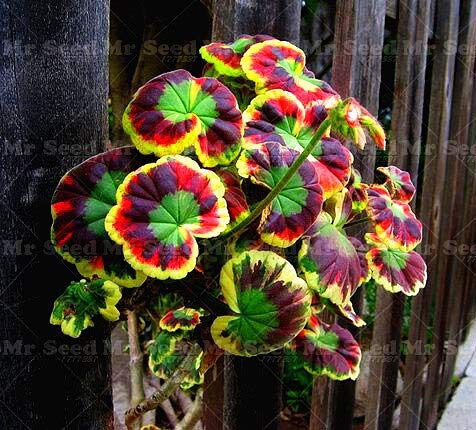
(263, 204)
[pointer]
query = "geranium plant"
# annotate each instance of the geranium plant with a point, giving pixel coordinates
(235, 199)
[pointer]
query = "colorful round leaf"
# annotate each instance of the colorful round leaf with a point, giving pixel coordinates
(395, 270)
(330, 263)
(297, 206)
(275, 64)
(160, 210)
(226, 57)
(394, 221)
(399, 183)
(328, 350)
(279, 116)
(270, 304)
(79, 206)
(175, 111)
(180, 319)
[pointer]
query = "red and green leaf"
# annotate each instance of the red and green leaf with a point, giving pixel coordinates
(226, 57)
(235, 197)
(330, 263)
(394, 221)
(278, 116)
(175, 111)
(349, 120)
(328, 350)
(395, 270)
(161, 208)
(297, 206)
(358, 192)
(275, 64)
(270, 304)
(75, 308)
(180, 319)
(79, 206)
(398, 183)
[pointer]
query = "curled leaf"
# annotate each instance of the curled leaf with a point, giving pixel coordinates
(180, 319)
(297, 206)
(82, 301)
(399, 183)
(79, 206)
(274, 64)
(270, 304)
(330, 263)
(358, 192)
(175, 111)
(161, 208)
(328, 350)
(349, 120)
(347, 311)
(394, 221)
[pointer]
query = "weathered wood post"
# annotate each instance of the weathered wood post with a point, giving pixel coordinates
(253, 388)
(53, 114)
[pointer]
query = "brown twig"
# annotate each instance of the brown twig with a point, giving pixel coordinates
(193, 415)
(133, 414)
(136, 358)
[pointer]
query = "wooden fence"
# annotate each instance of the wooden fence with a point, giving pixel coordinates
(433, 132)
(433, 136)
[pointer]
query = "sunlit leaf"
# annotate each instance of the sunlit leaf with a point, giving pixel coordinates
(276, 64)
(358, 192)
(297, 206)
(394, 221)
(269, 304)
(79, 206)
(81, 301)
(399, 183)
(349, 120)
(175, 111)
(328, 350)
(161, 208)
(329, 262)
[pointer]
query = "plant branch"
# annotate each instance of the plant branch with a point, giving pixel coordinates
(170, 385)
(263, 204)
(357, 222)
(193, 415)
(136, 358)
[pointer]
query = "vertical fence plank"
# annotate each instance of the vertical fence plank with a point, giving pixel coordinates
(404, 151)
(447, 17)
(358, 42)
(253, 386)
(452, 266)
(53, 114)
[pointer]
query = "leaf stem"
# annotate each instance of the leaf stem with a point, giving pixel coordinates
(357, 222)
(263, 204)
(165, 391)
